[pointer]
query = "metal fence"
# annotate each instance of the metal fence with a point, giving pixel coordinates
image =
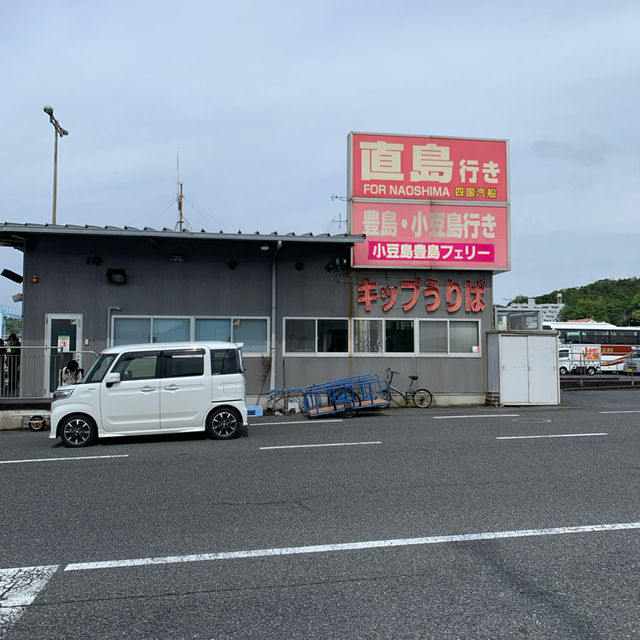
(36, 371)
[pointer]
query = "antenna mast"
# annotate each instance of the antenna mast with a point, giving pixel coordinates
(180, 223)
(180, 218)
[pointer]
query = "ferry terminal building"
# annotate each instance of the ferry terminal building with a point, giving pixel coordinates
(409, 287)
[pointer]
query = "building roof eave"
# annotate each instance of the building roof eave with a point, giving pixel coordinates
(13, 234)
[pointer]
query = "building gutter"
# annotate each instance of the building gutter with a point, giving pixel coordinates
(274, 261)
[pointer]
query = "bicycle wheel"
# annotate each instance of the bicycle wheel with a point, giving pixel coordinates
(422, 398)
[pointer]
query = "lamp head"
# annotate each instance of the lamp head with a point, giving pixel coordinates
(48, 110)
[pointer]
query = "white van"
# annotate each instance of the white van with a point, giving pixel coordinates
(155, 388)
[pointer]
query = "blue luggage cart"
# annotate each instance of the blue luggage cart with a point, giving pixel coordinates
(346, 396)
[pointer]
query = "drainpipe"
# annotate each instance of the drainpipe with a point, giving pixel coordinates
(272, 381)
(109, 310)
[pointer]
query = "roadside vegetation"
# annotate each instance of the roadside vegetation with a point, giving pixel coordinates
(614, 301)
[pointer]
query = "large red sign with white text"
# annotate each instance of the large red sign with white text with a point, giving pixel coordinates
(429, 203)
(428, 236)
(426, 168)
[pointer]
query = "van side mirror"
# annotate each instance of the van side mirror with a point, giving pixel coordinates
(112, 378)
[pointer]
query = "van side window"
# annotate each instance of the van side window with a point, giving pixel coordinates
(182, 363)
(224, 361)
(139, 365)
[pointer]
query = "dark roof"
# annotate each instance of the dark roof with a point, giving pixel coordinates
(12, 234)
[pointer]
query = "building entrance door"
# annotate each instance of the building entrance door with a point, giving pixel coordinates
(63, 336)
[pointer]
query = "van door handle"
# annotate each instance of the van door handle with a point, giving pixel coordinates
(172, 387)
(147, 389)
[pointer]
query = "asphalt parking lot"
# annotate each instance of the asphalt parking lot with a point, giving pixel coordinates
(439, 523)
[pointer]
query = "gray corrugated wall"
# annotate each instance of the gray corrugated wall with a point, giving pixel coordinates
(205, 285)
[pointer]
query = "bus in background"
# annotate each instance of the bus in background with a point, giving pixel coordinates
(616, 343)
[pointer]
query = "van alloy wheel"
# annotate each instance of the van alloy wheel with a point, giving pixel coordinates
(224, 424)
(77, 431)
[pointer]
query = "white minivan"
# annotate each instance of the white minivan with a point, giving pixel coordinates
(155, 388)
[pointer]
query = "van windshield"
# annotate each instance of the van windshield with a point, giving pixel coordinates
(100, 368)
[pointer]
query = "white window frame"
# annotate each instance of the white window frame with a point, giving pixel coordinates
(192, 327)
(448, 353)
(315, 353)
(416, 340)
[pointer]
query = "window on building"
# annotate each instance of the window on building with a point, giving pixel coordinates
(300, 335)
(316, 335)
(367, 336)
(333, 336)
(464, 336)
(398, 336)
(252, 333)
(213, 329)
(434, 336)
(131, 331)
(171, 329)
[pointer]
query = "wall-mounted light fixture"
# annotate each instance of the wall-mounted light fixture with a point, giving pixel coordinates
(337, 263)
(17, 297)
(35, 279)
(176, 258)
(299, 266)
(116, 276)
(232, 264)
(264, 247)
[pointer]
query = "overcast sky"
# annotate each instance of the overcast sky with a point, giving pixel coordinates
(258, 98)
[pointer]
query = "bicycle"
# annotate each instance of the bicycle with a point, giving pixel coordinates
(421, 398)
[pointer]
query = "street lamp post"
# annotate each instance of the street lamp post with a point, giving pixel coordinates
(59, 131)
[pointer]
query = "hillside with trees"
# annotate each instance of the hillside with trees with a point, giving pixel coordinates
(614, 301)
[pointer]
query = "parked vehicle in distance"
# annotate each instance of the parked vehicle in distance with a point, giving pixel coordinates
(154, 388)
(632, 362)
(579, 358)
(615, 343)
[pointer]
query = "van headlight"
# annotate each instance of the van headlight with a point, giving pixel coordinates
(60, 394)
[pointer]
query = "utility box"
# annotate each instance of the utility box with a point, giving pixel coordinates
(522, 368)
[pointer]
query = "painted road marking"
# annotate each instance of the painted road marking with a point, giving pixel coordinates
(18, 589)
(557, 435)
(503, 415)
(331, 444)
(271, 424)
(125, 455)
(352, 546)
(627, 411)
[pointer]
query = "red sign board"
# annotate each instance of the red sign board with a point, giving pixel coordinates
(395, 167)
(429, 203)
(427, 236)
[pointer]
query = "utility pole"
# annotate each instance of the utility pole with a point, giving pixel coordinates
(59, 131)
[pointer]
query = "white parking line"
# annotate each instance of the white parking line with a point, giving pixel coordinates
(18, 589)
(627, 411)
(331, 444)
(556, 435)
(502, 415)
(125, 455)
(271, 424)
(352, 546)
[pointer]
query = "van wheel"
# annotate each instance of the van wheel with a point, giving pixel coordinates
(78, 431)
(591, 371)
(224, 424)
(563, 371)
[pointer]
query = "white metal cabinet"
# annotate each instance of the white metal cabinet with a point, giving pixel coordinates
(523, 367)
